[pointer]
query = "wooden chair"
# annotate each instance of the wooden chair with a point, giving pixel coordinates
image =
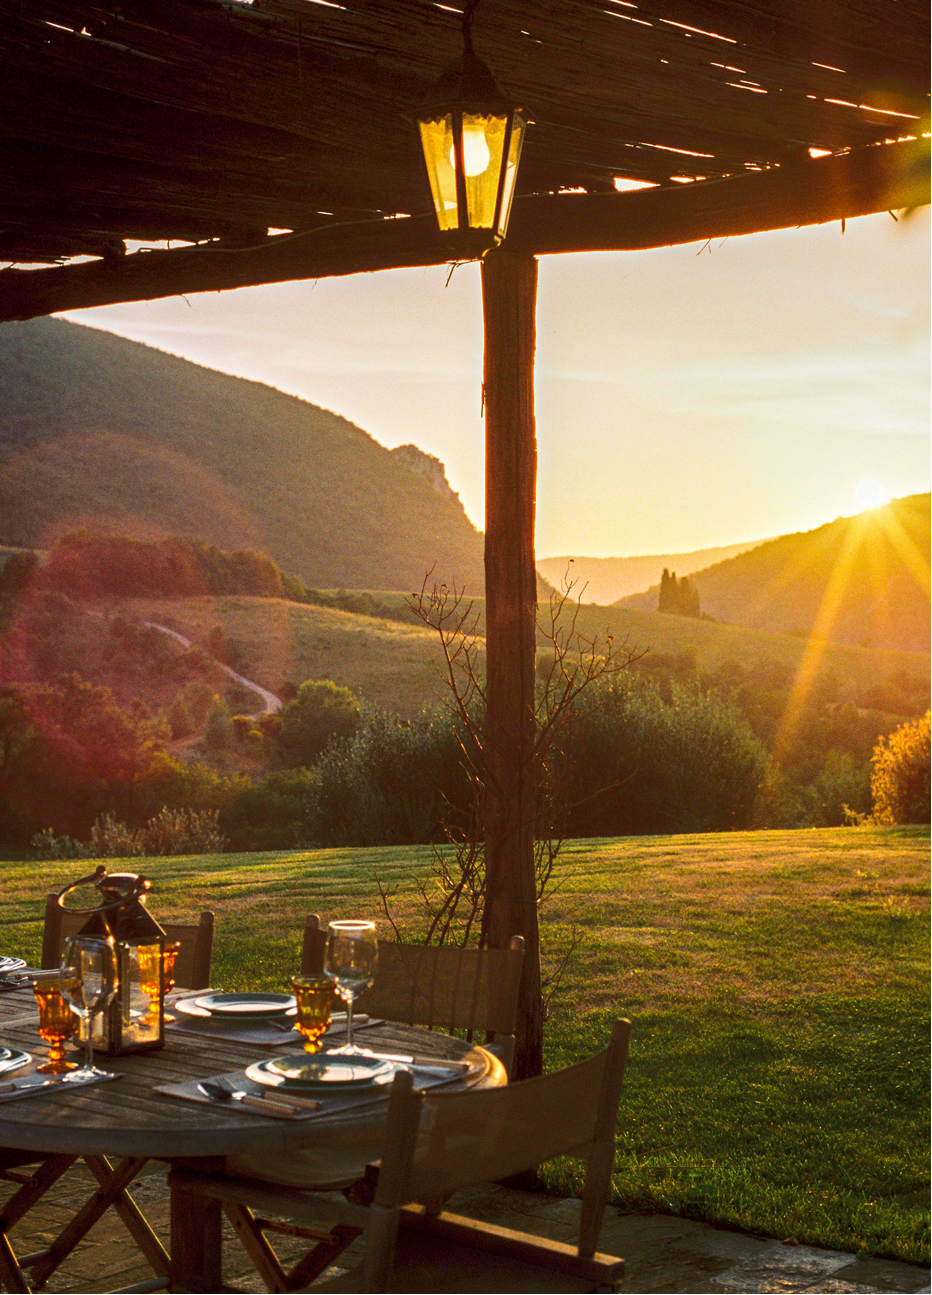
(437, 1144)
(440, 987)
(192, 966)
(192, 971)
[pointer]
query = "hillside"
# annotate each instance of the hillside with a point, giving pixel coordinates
(607, 580)
(860, 580)
(102, 432)
(395, 665)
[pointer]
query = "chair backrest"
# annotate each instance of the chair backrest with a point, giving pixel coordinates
(314, 947)
(487, 1134)
(192, 966)
(442, 987)
(437, 1144)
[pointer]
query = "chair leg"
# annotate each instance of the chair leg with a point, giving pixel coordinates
(599, 1269)
(261, 1254)
(116, 1183)
(380, 1247)
(595, 1195)
(34, 1187)
(133, 1219)
(322, 1256)
(11, 1275)
(44, 1176)
(251, 1232)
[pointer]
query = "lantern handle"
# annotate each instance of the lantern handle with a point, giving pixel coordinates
(140, 886)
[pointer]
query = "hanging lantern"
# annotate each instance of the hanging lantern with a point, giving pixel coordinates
(134, 1021)
(471, 137)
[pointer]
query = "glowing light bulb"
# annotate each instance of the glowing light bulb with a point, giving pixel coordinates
(476, 155)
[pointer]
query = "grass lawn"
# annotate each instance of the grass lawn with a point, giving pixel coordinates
(777, 983)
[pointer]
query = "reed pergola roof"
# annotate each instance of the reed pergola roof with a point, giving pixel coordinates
(214, 122)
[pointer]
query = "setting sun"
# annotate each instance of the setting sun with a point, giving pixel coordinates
(871, 493)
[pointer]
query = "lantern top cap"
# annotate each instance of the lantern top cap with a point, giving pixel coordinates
(466, 85)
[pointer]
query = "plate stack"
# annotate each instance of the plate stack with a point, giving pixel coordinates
(238, 1009)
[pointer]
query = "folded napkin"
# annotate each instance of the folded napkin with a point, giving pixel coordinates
(300, 1109)
(12, 1090)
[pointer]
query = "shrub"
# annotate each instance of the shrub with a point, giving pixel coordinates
(170, 831)
(183, 831)
(900, 774)
(321, 713)
(46, 845)
(397, 782)
(641, 764)
(112, 839)
(270, 814)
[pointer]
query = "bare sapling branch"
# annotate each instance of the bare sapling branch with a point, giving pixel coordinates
(569, 665)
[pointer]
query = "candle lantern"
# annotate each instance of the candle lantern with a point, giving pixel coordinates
(134, 1021)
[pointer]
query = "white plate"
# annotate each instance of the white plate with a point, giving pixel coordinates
(241, 1006)
(11, 964)
(188, 1009)
(322, 1074)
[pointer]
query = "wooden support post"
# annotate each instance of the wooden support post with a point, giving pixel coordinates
(509, 291)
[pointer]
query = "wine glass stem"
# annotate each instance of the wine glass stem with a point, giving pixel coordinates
(89, 1042)
(349, 1023)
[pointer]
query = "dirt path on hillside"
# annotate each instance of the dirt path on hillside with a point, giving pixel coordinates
(271, 704)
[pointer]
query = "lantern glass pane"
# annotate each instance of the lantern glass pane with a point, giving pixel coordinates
(141, 994)
(483, 146)
(437, 143)
(511, 172)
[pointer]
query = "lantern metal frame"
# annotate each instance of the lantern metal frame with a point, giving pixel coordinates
(467, 89)
(117, 1036)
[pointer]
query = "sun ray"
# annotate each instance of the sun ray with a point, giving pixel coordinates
(874, 544)
(814, 650)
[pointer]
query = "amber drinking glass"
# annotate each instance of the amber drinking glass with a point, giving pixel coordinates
(149, 976)
(57, 1023)
(314, 997)
(171, 953)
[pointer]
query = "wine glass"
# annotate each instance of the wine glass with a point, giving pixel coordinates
(89, 981)
(57, 1023)
(313, 995)
(350, 962)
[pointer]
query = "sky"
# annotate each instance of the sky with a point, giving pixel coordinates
(686, 397)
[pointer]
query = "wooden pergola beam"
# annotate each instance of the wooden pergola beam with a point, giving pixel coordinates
(884, 177)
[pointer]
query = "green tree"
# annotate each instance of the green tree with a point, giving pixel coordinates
(900, 774)
(321, 713)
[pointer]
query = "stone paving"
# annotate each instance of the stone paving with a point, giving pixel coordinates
(663, 1254)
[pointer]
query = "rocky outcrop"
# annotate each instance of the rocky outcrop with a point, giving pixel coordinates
(427, 466)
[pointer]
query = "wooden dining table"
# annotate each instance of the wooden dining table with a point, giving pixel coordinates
(131, 1119)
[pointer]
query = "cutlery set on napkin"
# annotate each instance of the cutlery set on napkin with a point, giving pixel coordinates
(13, 1059)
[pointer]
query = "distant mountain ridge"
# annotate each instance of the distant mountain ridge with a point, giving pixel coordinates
(606, 580)
(99, 431)
(862, 580)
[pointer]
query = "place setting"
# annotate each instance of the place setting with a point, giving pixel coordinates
(69, 999)
(320, 1079)
(268, 1019)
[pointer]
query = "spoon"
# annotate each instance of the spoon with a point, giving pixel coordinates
(279, 1109)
